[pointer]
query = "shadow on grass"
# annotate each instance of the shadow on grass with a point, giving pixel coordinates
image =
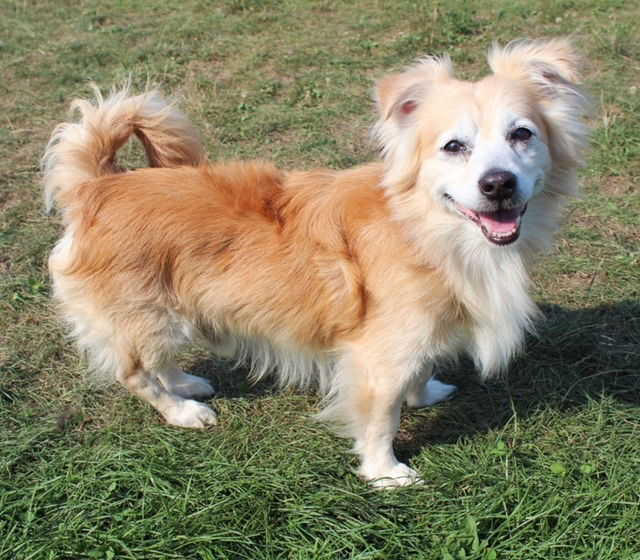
(577, 356)
(230, 381)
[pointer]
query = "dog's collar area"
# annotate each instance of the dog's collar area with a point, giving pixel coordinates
(500, 227)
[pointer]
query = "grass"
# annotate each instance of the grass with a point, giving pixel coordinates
(543, 464)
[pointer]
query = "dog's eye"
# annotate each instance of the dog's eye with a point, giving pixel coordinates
(521, 134)
(454, 147)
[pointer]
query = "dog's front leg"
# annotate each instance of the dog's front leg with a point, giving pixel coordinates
(374, 443)
(369, 403)
(427, 390)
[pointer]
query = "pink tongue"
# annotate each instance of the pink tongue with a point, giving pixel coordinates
(502, 221)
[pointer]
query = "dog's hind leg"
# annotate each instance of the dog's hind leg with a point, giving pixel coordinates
(184, 384)
(176, 410)
(138, 348)
(151, 340)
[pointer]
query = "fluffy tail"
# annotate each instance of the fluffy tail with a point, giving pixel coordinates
(84, 150)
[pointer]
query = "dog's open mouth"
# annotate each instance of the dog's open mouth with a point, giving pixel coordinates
(501, 227)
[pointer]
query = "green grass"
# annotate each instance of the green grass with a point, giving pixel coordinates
(544, 464)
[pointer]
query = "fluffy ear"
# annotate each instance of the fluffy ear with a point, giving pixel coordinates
(398, 97)
(400, 94)
(552, 68)
(546, 62)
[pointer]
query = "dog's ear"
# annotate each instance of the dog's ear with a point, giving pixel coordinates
(552, 69)
(551, 65)
(399, 95)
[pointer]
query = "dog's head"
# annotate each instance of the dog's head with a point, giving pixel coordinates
(484, 150)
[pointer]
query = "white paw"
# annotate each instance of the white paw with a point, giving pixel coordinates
(432, 393)
(192, 386)
(190, 414)
(398, 475)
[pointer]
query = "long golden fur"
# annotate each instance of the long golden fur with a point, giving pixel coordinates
(357, 280)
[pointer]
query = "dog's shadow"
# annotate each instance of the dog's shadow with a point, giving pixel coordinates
(576, 356)
(231, 380)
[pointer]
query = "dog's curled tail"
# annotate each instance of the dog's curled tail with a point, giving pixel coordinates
(84, 150)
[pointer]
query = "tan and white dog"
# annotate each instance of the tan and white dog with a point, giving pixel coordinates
(358, 281)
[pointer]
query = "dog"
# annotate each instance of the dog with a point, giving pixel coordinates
(357, 281)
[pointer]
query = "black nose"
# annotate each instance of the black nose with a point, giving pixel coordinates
(497, 184)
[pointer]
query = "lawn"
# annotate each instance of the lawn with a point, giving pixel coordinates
(541, 464)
